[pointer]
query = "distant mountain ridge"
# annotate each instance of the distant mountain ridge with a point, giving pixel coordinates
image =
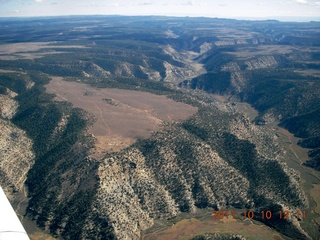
(215, 159)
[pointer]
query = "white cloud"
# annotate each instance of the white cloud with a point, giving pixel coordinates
(190, 3)
(145, 3)
(285, 3)
(39, 1)
(263, 3)
(302, 1)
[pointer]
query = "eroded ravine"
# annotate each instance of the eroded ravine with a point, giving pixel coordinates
(294, 157)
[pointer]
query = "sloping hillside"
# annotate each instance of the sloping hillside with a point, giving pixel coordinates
(215, 159)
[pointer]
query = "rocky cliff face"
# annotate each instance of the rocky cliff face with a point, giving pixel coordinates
(266, 145)
(190, 69)
(8, 106)
(130, 195)
(187, 166)
(16, 155)
(237, 79)
(261, 62)
(136, 189)
(215, 159)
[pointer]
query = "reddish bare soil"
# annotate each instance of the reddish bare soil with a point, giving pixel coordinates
(189, 228)
(123, 116)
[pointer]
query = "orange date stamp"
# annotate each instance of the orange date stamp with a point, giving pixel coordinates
(250, 214)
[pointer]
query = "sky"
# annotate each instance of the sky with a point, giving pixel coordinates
(285, 10)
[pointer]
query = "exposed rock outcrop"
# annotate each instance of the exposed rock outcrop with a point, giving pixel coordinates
(191, 68)
(135, 189)
(238, 80)
(152, 74)
(8, 106)
(261, 62)
(16, 157)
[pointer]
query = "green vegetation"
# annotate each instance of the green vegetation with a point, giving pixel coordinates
(61, 154)
(307, 126)
(109, 101)
(15, 82)
(304, 126)
(213, 165)
(128, 83)
(314, 162)
(212, 82)
(210, 126)
(274, 88)
(278, 222)
(216, 58)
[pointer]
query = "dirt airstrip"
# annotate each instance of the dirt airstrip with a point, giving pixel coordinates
(123, 116)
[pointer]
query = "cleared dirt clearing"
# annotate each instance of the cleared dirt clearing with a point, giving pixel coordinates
(14, 51)
(189, 228)
(123, 116)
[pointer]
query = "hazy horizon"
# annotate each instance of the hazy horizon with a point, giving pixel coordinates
(287, 10)
(280, 19)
